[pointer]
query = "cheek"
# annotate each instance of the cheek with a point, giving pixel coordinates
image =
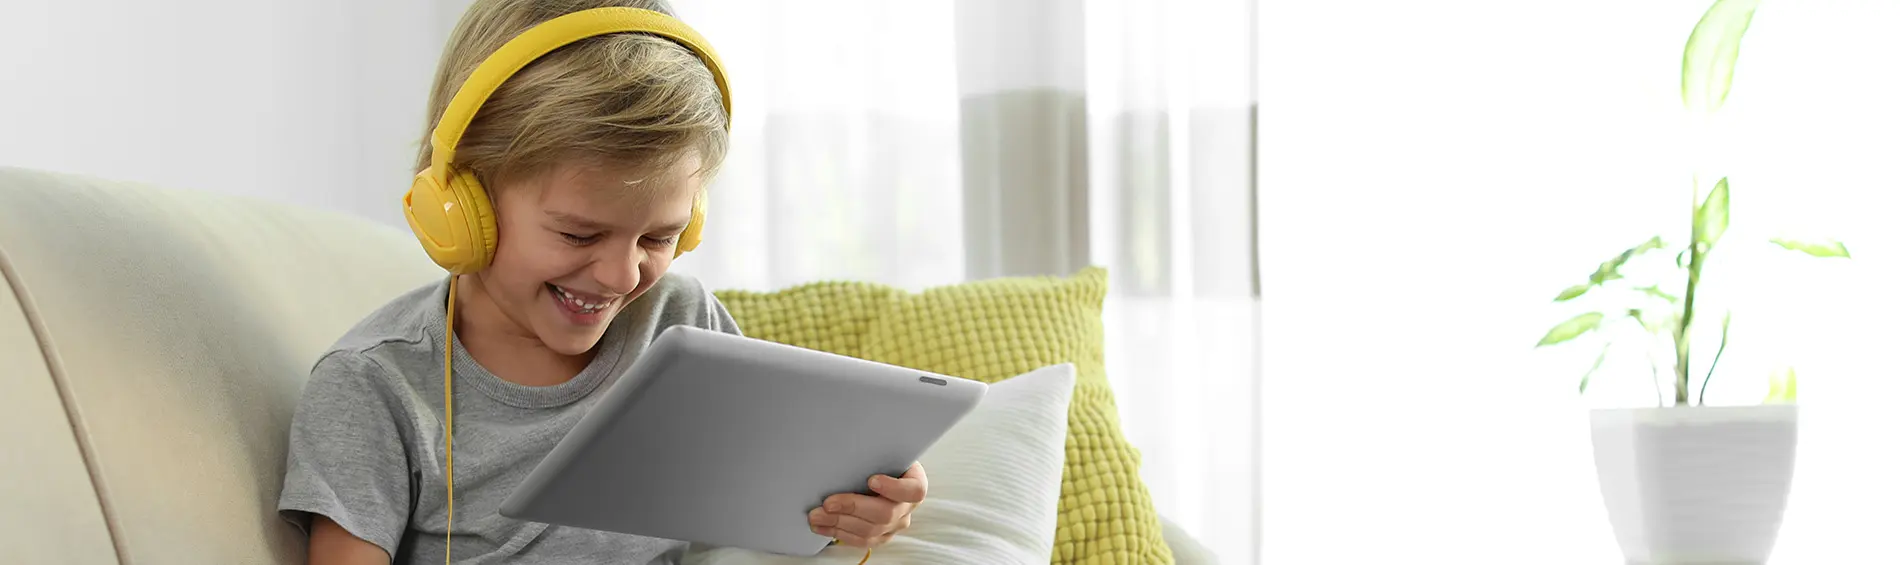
(652, 269)
(524, 266)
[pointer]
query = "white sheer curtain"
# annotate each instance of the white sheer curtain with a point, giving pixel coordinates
(1433, 173)
(929, 142)
(1171, 115)
(844, 160)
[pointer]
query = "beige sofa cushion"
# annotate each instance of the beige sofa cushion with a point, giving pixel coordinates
(181, 324)
(51, 514)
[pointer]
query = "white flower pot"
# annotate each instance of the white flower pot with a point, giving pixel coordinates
(1695, 485)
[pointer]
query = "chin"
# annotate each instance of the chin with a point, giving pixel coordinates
(567, 339)
(570, 346)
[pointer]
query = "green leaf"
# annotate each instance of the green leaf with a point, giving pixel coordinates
(1703, 394)
(1573, 292)
(1781, 387)
(1609, 270)
(1708, 61)
(1605, 272)
(1571, 328)
(1658, 292)
(1654, 243)
(1653, 322)
(1593, 369)
(1711, 218)
(1828, 248)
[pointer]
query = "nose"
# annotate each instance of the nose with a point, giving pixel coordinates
(618, 270)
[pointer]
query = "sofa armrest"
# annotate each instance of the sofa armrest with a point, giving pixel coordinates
(1187, 550)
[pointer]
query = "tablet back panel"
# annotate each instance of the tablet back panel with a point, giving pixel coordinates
(726, 440)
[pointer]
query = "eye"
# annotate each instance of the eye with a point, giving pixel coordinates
(579, 239)
(660, 241)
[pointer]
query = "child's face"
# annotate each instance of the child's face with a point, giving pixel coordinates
(579, 243)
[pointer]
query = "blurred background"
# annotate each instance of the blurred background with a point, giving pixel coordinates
(1334, 229)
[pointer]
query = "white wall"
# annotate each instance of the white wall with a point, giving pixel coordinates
(316, 103)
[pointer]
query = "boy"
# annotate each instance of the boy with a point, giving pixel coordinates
(593, 156)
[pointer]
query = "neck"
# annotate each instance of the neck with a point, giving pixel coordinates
(507, 348)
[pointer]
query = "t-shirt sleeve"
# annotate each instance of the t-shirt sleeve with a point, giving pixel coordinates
(346, 458)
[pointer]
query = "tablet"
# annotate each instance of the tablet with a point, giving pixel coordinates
(730, 441)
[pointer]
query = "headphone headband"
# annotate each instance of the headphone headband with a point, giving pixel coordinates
(546, 37)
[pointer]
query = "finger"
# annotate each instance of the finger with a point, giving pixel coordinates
(819, 517)
(863, 529)
(916, 471)
(911, 488)
(871, 508)
(844, 503)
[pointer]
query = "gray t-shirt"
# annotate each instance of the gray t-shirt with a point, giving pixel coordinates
(366, 445)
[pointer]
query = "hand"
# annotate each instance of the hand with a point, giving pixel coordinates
(871, 521)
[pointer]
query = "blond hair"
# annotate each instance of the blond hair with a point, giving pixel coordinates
(623, 98)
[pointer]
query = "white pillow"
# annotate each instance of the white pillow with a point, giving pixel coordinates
(995, 480)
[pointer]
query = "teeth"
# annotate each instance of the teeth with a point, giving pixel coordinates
(585, 307)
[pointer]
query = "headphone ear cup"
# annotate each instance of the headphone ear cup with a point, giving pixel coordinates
(429, 208)
(454, 223)
(479, 213)
(689, 239)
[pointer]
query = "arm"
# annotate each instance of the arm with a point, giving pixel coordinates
(347, 476)
(330, 544)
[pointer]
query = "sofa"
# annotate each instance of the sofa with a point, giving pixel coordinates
(153, 342)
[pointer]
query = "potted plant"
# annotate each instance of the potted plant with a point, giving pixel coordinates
(1684, 482)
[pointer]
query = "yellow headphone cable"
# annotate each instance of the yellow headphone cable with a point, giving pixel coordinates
(448, 408)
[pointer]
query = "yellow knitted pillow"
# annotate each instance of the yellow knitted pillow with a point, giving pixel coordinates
(988, 331)
(826, 316)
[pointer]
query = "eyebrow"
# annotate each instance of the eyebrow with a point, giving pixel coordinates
(587, 224)
(577, 221)
(675, 227)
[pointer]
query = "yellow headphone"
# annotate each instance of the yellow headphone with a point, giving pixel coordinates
(448, 209)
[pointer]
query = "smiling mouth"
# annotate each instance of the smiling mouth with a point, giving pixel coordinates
(579, 303)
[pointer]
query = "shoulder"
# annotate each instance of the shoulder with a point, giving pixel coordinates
(407, 318)
(681, 299)
(678, 296)
(370, 351)
(680, 287)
